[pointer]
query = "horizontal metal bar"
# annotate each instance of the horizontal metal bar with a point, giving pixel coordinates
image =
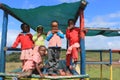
(12, 49)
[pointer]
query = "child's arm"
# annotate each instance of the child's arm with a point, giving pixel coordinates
(37, 60)
(60, 34)
(49, 36)
(15, 44)
(38, 69)
(34, 38)
(44, 36)
(31, 36)
(68, 33)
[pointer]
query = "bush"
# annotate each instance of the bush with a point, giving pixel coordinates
(13, 57)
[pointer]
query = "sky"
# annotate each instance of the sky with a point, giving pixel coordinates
(98, 13)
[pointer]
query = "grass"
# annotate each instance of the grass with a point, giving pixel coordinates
(92, 70)
(12, 66)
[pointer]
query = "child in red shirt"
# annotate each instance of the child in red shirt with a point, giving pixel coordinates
(25, 39)
(72, 35)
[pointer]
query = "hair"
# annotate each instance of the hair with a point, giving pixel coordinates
(71, 20)
(55, 21)
(22, 25)
(41, 47)
(40, 27)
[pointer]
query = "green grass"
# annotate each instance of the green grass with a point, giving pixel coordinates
(92, 70)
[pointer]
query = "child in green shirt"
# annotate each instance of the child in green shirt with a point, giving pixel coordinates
(39, 38)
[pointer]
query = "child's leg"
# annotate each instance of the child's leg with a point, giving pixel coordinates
(50, 60)
(57, 57)
(25, 74)
(62, 72)
(75, 54)
(68, 59)
(68, 73)
(72, 56)
(23, 62)
(22, 57)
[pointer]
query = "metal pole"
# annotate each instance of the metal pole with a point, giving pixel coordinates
(110, 64)
(110, 56)
(3, 43)
(100, 65)
(82, 43)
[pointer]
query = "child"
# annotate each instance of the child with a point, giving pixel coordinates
(72, 34)
(25, 39)
(54, 48)
(35, 62)
(39, 38)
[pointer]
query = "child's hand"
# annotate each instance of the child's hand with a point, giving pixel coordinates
(70, 27)
(41, 75)
(85, 31)
(54, 31)
(39, 34)
(5, 48)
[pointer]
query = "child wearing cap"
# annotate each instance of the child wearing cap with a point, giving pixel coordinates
(38, 38)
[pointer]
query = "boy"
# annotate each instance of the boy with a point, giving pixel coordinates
(54, 48)
(73, 37)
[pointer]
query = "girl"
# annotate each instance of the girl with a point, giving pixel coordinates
(38, 38)
(25, 39)
(35, 62)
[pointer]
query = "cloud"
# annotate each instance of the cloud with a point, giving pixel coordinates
(102, 42)
(108, 17)
(11, 36)
(103, 24)
(106, 21)
(114, 15)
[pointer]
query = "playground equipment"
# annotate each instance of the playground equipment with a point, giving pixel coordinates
(101, 62)
(75, 10)
(49, 13)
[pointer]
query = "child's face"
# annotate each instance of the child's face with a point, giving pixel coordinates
(42, 51)
(26, 28)
(39, 30)
(54, 26)
(71, 23)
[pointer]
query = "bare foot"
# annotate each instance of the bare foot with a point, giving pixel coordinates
(53, 74)
(62, 73)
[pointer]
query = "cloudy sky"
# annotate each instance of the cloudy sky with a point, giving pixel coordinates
(98, 13)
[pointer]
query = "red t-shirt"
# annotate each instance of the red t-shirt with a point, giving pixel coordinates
(73, 35)
(25, 40)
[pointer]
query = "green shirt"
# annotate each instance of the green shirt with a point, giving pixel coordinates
(39, 40)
